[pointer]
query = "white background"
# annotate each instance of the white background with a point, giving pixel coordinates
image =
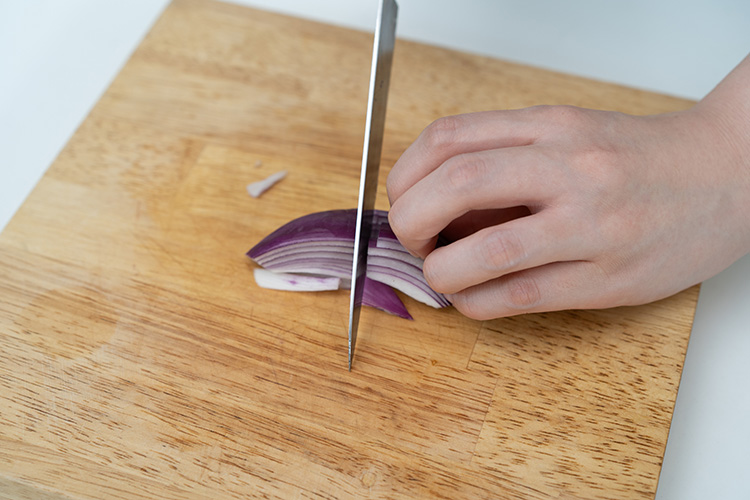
(57, 57)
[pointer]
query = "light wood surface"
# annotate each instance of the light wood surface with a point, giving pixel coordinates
(139, 360)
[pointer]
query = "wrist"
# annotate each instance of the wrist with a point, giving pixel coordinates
(724, 121)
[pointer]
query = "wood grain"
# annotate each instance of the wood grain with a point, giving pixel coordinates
(139, 360)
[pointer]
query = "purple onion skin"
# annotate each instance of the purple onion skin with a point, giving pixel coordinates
(329, 225)
(383, 297)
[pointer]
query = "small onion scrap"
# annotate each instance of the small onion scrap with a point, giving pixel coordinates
(256, 189)
(315, 252)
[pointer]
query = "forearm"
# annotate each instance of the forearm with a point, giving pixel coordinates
(730, 100)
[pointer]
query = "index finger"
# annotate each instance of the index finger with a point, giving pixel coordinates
(495, 179)
(453, 135)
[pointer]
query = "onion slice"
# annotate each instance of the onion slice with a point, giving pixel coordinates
(381, 296)
(322, 244)
(256, 189)
(294, 282)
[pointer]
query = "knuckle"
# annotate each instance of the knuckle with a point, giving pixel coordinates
(463, 173)
(566, 121)
(501, 250)
(565, 115)
(432, 275)
(442, 132)
(522, 293)
(397, 221)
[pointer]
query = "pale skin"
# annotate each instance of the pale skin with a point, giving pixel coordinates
(555, 207)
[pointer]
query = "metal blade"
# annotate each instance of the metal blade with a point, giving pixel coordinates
(380, 76)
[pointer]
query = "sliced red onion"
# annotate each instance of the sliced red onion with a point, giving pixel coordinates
(375, 294)
(322, 244)
(333, 227)
(401, 280)
(381, 296)
(295, 282)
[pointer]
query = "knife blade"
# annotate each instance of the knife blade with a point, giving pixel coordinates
(380, 76)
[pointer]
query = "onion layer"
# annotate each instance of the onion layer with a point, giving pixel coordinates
(321, 245)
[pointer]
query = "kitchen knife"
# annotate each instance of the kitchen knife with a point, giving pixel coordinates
(380, 75)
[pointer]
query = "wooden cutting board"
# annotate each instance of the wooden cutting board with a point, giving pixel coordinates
(138, 359)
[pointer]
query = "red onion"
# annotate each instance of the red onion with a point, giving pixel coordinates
(320, 246)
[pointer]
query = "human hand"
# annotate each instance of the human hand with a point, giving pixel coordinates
(551, 208)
